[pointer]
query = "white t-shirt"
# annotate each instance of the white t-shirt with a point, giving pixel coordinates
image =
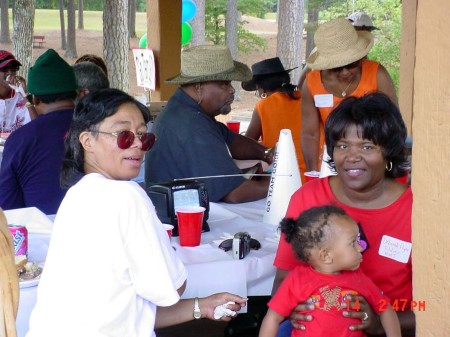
(109, 264)
(13, 113)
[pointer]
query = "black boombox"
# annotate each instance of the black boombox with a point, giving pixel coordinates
(170, 195)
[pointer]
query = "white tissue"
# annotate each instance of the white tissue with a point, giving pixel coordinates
(222, 310)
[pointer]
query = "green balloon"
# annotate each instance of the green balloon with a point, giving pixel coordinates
(143, 41)
(186, 33)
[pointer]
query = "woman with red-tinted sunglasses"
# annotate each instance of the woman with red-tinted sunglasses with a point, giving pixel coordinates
(110, 269)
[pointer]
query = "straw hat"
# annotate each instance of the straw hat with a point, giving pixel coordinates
(338, 44)
(264, 68)
(361, 20)
(210, 63)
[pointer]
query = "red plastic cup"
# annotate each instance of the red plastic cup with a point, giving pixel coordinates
(234, 125)
(169, 229)
(190, 221)
(311, 175)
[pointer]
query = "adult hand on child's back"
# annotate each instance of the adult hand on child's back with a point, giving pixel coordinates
(298, 315)
(357, 307)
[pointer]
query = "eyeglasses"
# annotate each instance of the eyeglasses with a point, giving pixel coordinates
(126, 138)
(348, 67)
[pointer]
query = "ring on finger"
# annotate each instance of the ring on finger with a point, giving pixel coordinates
(365, 317)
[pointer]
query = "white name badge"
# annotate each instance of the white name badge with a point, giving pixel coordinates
(395, 249)
(323, 101)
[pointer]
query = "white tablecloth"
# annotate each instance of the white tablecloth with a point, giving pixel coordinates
(210, 269)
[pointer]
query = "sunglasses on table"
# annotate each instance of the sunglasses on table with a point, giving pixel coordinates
(126, 138)
(348, 67)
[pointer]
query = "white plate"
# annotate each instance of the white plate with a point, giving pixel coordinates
(32, 282)
(29, 283)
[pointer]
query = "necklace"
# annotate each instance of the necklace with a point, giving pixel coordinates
(344, 91)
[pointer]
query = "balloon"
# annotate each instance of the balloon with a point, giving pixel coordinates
(143, 41)
(186, 33)
(188, 10)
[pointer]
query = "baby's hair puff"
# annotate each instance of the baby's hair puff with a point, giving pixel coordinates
(309, 229)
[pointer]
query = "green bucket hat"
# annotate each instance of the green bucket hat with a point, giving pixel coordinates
(210, 63)
(51, 75)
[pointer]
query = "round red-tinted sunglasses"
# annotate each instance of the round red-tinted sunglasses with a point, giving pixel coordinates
(126, 138)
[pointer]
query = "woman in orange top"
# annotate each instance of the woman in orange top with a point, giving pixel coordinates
(279, 107)
(339, 70)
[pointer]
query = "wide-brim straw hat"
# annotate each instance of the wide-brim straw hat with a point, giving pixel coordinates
(338, 44)
(210, 63)
(264, 68)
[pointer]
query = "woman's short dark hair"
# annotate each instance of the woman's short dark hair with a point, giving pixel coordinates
(309, 230)
(380, 121)
(89, 112)
(277, 82)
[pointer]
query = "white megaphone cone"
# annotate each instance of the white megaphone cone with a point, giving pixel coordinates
(325, 169)
(285, 179)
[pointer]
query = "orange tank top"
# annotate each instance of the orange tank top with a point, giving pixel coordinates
(367, 83)
(278, 111)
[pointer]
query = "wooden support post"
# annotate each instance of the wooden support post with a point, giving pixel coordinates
(164, 38)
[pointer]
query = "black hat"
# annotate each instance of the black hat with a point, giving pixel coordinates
(262, 68)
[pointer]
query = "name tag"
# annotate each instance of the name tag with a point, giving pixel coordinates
(323, 101)
(395, 249)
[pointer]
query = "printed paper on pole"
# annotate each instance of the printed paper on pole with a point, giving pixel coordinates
(144, 61)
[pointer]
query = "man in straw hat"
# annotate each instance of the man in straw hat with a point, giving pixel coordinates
(191, 143)
(340, 69)
(29, 174)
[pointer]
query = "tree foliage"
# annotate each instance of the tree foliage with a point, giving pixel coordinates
(215, 23)
(386, 15)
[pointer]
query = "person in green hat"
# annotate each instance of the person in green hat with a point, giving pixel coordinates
(30, 168)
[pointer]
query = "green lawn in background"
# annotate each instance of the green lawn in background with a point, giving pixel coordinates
(48, 19)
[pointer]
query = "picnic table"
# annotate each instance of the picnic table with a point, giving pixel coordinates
(38, 41)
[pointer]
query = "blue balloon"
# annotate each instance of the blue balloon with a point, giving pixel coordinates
(188, 10)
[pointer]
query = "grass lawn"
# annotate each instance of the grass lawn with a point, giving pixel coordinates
(48, 19)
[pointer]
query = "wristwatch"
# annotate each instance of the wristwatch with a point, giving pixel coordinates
(197, 312)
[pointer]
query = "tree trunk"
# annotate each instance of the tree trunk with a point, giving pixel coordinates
(198, 24)
(290, 27)
(313, 18)
(132, 18)
(116, 42)
(63, 27)
(23, 24)
(231, 38)
(4, 36)
(71, 50)
(80, 14)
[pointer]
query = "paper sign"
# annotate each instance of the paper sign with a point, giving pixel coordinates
(323, 101)
(395, 249)
(144, 61)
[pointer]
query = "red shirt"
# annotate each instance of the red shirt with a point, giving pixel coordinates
(393, 277)
(327, 291)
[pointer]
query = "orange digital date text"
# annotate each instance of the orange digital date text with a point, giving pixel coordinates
(401, 304)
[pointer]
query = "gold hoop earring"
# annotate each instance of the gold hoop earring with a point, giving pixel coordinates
(389, 166)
